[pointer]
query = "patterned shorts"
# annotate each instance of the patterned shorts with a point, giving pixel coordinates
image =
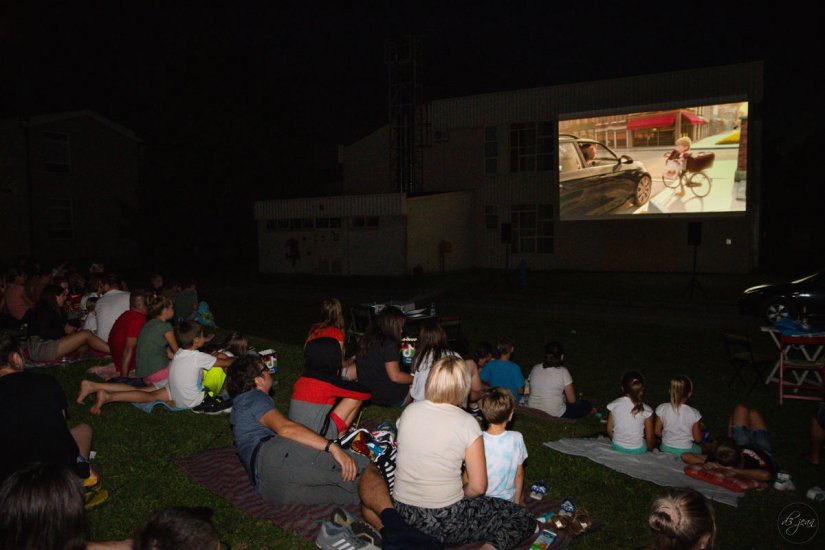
(501, 523)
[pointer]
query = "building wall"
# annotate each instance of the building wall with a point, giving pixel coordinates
(436, 219)
(14, 192)
(656, 244)
(100, 183)
(366, 165)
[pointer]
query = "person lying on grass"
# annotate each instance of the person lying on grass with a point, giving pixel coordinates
(183, 387)
(321, 400)
(746, 450)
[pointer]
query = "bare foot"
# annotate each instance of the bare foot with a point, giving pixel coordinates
(102, 399)
(87, 387)
(679, 193)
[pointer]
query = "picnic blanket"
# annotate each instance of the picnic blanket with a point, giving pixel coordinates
(660, 468)
(220, 472)
(149, 407)
(68, 359)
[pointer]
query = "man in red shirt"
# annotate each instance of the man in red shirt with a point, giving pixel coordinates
(124, 334)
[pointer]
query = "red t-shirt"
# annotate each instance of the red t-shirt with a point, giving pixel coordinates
(128, 325)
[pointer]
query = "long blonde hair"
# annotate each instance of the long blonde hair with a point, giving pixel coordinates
(680, 389)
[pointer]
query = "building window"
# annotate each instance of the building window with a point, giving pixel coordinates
(531, 146)
(60, 224)
(490, 150)
(360, 222)
(490, 216)
(56, 152)
(327, 223)
(532, 228)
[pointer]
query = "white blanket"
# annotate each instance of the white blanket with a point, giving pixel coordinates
(660, 468)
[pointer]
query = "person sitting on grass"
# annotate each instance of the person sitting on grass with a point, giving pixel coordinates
(183, 387)
(50, 335)
(156, 343)
(33, 408)
(677, 423)
(630, 420)
(378, 364)
(502, 372)
(681, 519)
(430, 347)
(331, 324)
(551, 386)
(504, 450)
(747, 449)
(186, 302)
(318, 389)
(124, 334)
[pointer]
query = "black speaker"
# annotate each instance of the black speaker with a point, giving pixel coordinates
(506, 233)
(694, 233)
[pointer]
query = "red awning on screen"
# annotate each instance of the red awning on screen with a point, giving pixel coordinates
(694, 119)
(655, 121)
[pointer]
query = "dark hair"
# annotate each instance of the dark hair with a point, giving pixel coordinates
(236, 343)
(553, 355)
(389, 326)
(483, 349)
(241, 375)
(112, 280)
(93, 283)
(331, 314)
(8, 347)
(48, 298)
(155, 304)
(725, 452)
(497, 405)
(505, 345)
(177, 528)
(14, 273)
(138, 296)
(432, 340)
(42, 508)
(186, 332)
(633, 386)
(679, 519)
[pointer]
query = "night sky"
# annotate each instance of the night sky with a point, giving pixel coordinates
(249, 100)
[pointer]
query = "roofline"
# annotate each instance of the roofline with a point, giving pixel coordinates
(54, 117)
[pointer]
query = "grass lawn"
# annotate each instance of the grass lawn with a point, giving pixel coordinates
(134, 449)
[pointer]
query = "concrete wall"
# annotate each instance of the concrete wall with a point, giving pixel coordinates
(14, 192)
(101, 183)
(456, 164)
(367, 165)
(434, 219)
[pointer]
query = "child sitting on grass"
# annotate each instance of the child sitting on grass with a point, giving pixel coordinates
(504, 449)
(746, 450)
(677, 423)
(183, 387)
(155, 340)
(502, 372)
(630, 420)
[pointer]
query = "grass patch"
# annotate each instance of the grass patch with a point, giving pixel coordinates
(134, 449)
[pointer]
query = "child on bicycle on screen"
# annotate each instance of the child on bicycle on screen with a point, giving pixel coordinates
(677, 160)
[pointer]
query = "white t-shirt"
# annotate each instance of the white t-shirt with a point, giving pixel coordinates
(547, 388)
(504, 452)
(678, 425)
(109, 307)
(628, 429)
(433, 439)
(186, 378)
(420, 378)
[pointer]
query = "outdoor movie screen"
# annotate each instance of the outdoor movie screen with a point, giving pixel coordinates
(685, 161)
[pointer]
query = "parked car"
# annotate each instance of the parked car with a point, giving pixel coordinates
(805, 296)
(594, 181)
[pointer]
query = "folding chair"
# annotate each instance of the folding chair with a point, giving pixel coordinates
(742, 357)
(809, 359)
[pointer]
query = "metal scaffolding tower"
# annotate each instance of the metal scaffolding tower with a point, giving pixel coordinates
(409, 118)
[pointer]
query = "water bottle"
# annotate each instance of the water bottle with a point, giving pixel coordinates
(432, 309)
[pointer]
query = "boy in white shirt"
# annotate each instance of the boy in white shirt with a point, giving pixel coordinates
(505, 450)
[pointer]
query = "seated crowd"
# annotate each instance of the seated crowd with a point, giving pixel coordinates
(451, 483)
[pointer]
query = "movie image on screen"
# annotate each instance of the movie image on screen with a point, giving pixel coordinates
(684, 161)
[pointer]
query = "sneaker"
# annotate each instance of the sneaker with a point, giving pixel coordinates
(335, 537)
(214, 405)
(365, 531)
